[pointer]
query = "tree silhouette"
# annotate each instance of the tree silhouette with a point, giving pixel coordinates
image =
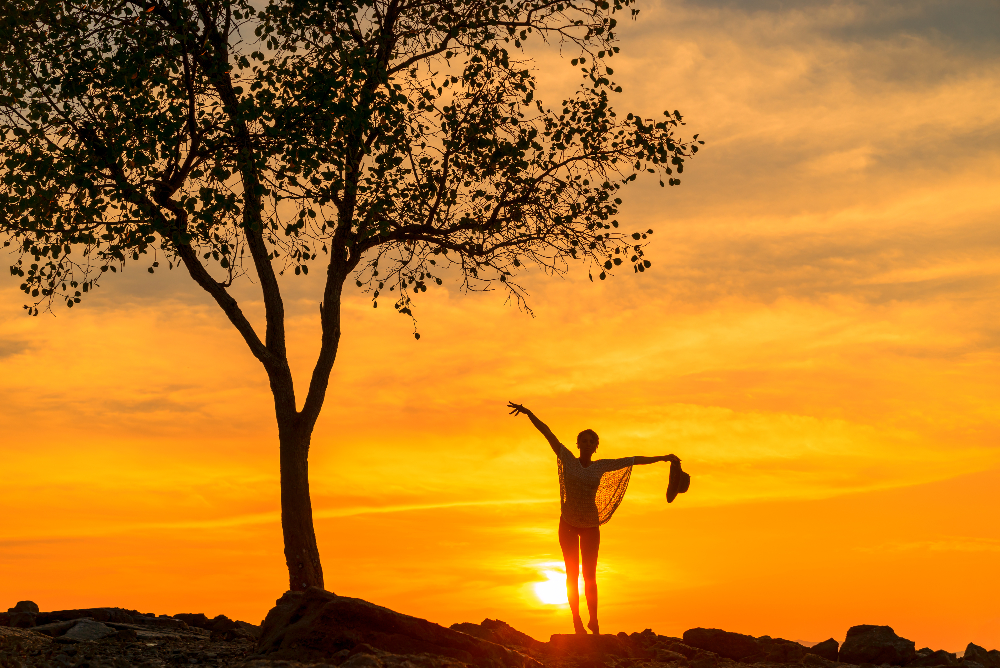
(395, 141)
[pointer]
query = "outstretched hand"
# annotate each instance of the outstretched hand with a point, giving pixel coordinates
(518, 409)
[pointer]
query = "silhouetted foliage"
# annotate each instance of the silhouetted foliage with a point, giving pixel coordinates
(388, 139)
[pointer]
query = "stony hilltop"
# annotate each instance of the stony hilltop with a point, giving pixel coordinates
(318, 629)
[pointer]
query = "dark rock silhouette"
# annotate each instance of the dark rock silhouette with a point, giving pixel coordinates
(498, 632)
(828, 649)
(97, 614)
(938, 658)
(24, 606)
(816, 661)
(314, 625)
(867, 643)
(730, 645)
(327, 631)
(219, 624)
(779, 650)
(990, 659)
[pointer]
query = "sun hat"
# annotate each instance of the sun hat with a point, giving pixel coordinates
(679, 482)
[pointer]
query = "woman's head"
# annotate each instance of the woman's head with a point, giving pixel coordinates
(587, 442)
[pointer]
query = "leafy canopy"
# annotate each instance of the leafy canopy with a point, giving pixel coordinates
(396, 138)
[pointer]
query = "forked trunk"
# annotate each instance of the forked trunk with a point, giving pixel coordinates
(295, 430)
(301, 552)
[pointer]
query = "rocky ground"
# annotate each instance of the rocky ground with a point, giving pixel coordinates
(317, 629)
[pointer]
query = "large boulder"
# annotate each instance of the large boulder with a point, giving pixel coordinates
(868, 643)
(730, 645)
(24, 606)
(827, 649)
(313, 625)
(979, 654)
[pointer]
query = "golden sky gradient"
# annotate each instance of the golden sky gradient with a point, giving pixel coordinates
(817, 340)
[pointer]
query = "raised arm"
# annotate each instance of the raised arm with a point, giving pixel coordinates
(539, 425)
(640, 460)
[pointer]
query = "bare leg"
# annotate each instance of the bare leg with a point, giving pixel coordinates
(568, 541)
(590, 543)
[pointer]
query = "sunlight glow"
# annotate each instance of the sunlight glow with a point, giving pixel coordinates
(552, 590)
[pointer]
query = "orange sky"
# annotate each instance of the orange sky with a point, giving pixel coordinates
(817, 340)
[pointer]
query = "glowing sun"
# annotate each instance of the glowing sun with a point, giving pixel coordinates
(552, 590)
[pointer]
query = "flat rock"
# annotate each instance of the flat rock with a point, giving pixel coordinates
(577, 644)
(55, 629)
(88, 629)
(161, 622)
(730, 645)
(97, 614)
(877, 645)
(313, 625)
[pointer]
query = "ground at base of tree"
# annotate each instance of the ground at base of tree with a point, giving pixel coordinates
(317, 629)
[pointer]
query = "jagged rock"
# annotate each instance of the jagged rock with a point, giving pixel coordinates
(97, 614)
(827, 649)
(938, 658)
(779, 650)
(730, 645)
(816, 661)
(499, 632)
(990, 659)
(88, 629)
(314, 624)
(666, 656)
(867, 643)
(24, 606)
(675, 645)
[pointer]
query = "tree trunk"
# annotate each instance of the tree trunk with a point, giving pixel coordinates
(301, 552)
(295, 430)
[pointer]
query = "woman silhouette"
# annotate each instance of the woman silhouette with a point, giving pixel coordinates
(589, 493)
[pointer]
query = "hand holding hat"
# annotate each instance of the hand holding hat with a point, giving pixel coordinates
(679, 480)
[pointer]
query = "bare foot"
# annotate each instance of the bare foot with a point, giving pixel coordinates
(592, 625)
(578, 626)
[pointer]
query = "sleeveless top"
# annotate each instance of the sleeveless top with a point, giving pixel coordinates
(589, 495)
